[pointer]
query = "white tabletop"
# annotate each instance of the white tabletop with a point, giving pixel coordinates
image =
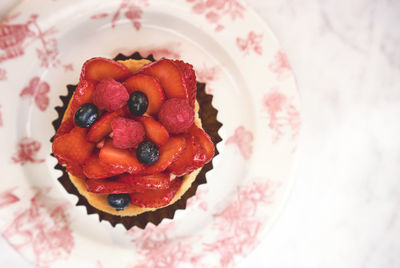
(344, 209)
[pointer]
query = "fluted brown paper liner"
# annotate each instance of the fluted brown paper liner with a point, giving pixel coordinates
(210, 124)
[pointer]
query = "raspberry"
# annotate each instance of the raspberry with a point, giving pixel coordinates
(127, 133)
(110, 95)
(176, 115)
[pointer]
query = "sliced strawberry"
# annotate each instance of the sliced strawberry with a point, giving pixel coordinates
(93, 168)
(149, 86)
(72, 149)
(102, 127)
(155, 131)
(205, 142)
(75, 169)
(73, 146)
(192, 158)
(158, 181)
(156, 198)
(97, 69)
(169, 152)
(170, 77)
(109, 186)
(83, 94)
(119, 158)
(65, 127)
(190, 79)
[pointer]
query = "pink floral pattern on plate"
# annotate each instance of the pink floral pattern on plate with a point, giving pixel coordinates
(39, 227)
(243, 139)
(131, 9)
(237, 228)
(251, 43)
(238, 224)
(215, 10)
(14, 38)
(158, 249)
(7, 197)
(45, 233)
(37, 91)
(27, 149)
(281, 113)
(280, 66)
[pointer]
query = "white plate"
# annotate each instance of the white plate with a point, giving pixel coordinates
(43, 44)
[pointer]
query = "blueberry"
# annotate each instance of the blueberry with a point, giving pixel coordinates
(119, 201)
(138, 103)
(86, 115)
(147, 153)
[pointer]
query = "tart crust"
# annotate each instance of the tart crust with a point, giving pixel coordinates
(99, 201)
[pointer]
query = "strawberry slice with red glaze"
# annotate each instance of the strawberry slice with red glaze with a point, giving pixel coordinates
(169, 153)
(205, 142)
(97, 69)
(159, 181)
(83, 94)
(149, 86)
(192, 158)
(170, 76)
(155, 131)
(109, 186)
(189, 77)
(119, 158)
(65, 127)
(73, 149)
(73, 146)
(93, 168)
(102, 127)
(156, 198)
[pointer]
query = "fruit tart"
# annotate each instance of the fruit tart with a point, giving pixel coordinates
(130, 139)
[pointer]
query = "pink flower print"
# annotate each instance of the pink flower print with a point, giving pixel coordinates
(3, 74)
(159, 250)
(48, 55)
(37, 91)
(7, 198)
(215, 10)
(251, 42)
(27, 149)
(134, 13)
(280, 65)
(281, 114)
(212, 17)
(294, 120)
(130, 8)
(199, 8)
(44, 231)
(274, 103)
(218, 4)
(243, 139)
(238, 225)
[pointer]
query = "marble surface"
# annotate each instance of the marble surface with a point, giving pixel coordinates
(345, 205)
